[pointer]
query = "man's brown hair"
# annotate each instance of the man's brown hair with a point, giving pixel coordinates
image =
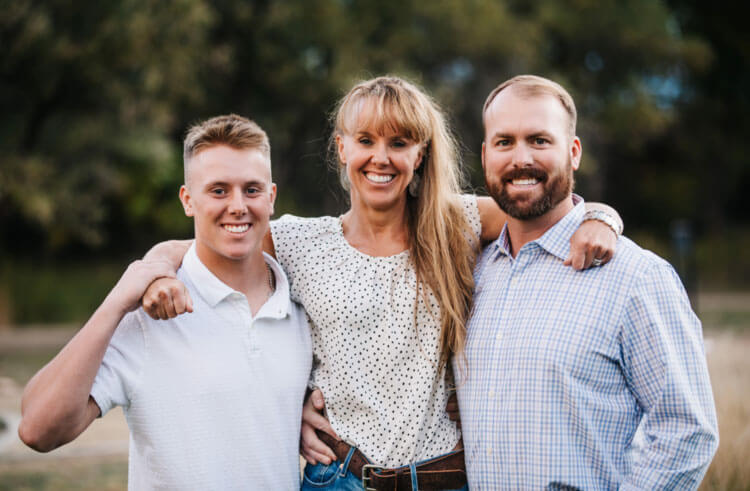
(532, 86)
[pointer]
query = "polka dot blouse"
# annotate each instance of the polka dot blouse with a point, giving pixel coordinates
(377, 370)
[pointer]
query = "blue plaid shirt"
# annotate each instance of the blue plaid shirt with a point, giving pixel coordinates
(563, 366)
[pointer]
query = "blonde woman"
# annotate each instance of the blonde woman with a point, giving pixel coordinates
(388, 287)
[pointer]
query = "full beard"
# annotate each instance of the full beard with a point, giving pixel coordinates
(555, 188)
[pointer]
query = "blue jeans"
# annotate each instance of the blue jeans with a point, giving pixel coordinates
(335, 477)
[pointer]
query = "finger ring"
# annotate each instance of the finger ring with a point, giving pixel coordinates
(596, 262)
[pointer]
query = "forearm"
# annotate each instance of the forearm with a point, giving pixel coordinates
(55, 406)
(666, 365)
(677, 462)
(171, 251)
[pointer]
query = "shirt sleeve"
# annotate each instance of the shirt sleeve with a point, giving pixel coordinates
(665, 366)
(120, 370)
(471, 212)
(287, 233)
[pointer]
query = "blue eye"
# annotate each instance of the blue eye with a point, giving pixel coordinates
(364, 141)
(252, 190)
(540, 141)
(218, 192)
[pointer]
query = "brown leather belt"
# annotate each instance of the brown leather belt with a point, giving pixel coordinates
(444, 472)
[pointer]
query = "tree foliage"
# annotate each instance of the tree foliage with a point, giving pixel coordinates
(96, 96)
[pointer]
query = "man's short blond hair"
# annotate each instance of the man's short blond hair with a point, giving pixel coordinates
(230, 130)
(533, 86)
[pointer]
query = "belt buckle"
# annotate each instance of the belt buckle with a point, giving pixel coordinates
(366, 475)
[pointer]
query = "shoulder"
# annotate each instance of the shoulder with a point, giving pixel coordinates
(469, 206)
(293, 228)
(637, 262)
(649, 280)
(130, 329)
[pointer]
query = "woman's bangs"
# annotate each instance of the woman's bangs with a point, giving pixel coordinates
(383, 114)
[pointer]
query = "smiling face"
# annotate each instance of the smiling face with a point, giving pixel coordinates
(529, 154)
(230, 195)
(380, 163)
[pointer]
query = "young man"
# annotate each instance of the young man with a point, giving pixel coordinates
(564, 365)
(213, 399)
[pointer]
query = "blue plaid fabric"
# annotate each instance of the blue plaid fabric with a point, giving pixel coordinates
(563, 366)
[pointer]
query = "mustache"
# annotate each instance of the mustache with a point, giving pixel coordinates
(525, 172)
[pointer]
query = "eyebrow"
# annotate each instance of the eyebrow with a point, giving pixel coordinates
(255, 183)
(533, 134)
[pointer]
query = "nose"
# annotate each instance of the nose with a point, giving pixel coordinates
(237, 204)
(522, 156)
(379, 153)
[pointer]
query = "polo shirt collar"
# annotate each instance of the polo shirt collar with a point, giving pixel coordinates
(556, 240)
(213, 290)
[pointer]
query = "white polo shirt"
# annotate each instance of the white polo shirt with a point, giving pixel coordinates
(213, 399)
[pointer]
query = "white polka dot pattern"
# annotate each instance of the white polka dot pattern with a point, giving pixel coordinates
(377, 370)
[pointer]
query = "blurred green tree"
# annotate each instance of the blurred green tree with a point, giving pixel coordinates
(88, 95)
(96, 96)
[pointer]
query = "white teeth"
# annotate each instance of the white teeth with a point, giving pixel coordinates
(525, 182)
(236, 228)
(378, 177)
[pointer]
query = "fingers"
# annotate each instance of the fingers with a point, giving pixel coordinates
(188, 301)
(167, 304)
(166, 298)
(312, 448)
(180, 299)
(316, 397)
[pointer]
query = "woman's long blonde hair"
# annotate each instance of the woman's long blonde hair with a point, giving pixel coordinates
(442, 245)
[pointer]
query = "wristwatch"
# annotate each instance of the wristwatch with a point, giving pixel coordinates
(605, 218)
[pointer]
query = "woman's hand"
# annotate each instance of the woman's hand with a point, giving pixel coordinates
(451, 407)
(312, 449)
(593, 240)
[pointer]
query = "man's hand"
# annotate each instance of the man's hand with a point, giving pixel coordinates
(167, 298)
(592, 240)
(130, 288)
(311, 447)
(452, 409)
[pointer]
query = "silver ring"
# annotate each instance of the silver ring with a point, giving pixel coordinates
(597, 262)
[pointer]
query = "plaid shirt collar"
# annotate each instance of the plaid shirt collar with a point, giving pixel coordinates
(556, 240)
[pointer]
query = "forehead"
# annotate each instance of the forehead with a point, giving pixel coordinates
(512, 113)
(227, 164)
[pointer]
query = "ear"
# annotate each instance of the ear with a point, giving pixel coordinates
(273, 195)
(575, 153)
(186, 200)
(340, 148)
(421, 155)
(483, 150)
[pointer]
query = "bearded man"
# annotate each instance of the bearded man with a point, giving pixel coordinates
(564, 366)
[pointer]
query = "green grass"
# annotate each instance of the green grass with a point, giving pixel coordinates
(54, 293)
(22, 365)
(83, 475)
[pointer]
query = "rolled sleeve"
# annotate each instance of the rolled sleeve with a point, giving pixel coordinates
(665, 366)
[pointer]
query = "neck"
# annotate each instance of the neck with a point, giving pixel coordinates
(521, 232)
(377, 232)
(247, 275)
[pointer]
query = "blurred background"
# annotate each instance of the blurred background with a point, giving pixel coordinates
(95, 98)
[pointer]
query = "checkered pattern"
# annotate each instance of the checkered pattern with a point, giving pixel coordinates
(564, 366)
